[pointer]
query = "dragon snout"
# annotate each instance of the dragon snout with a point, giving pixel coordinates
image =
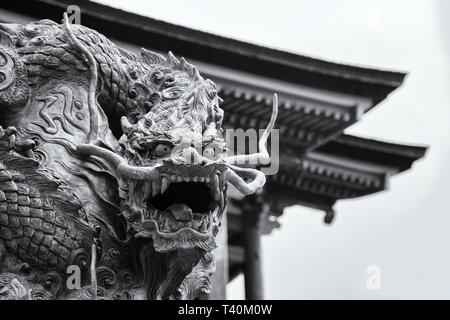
(192, 156)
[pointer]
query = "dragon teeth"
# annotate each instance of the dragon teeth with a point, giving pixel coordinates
(173, 178)
(216, 187)
(187, 179)
(164, 184)
(166, 226)
(156, 189)
(147, 190)
(195, 179)
(204, 226)
(221, 201)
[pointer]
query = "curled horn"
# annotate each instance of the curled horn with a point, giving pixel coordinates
(263, 156)
(125, 170)
(258, 179)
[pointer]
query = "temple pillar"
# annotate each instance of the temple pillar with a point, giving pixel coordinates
(252, 220)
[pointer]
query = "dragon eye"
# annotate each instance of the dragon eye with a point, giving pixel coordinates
(162, 150)
(171, 93)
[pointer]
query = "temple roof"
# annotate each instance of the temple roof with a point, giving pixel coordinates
(209, 48)
(399, 156)
(345, 167)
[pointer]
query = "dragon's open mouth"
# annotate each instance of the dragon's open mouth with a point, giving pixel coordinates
(187, 204)
(195, 195)
(186, 201)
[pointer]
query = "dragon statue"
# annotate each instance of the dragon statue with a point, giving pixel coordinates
(111, 164)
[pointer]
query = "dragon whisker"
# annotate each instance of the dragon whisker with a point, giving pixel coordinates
(263, 156)
(124, 169)
(97, 129)
(138, 173)
(258, 179)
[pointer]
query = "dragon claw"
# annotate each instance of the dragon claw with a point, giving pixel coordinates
(24, 147)
(9, 133)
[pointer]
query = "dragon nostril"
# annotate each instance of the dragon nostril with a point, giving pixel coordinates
(191, 155)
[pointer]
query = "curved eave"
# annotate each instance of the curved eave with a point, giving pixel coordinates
(346, 167)
(322, 177)
(398, 156)
(302, 123)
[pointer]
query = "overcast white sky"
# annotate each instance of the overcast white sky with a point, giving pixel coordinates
(406, 230)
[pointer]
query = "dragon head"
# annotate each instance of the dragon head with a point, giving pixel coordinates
(171, 164)
(177, 195)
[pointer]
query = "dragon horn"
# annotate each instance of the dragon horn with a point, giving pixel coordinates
(125, 170)
(263, 156)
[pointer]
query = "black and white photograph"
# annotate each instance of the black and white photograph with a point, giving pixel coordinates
(202, 151)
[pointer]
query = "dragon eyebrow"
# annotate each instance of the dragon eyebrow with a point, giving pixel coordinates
(168, 135)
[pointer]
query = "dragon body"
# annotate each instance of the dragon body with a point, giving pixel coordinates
(104, 149)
